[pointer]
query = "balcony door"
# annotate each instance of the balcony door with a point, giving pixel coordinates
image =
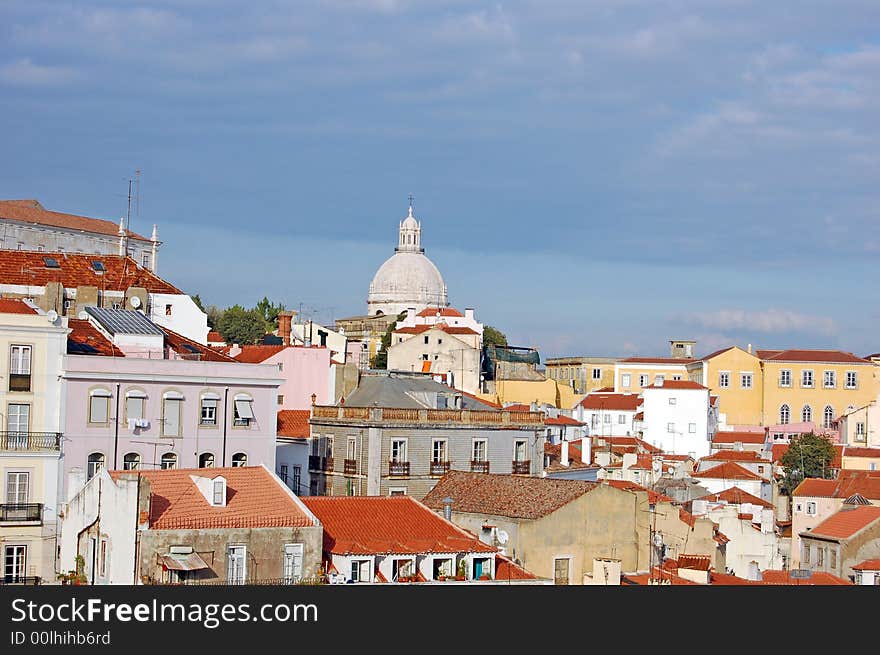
(14, 564)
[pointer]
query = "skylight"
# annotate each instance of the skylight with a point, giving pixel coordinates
(98, 266)
(51, 262)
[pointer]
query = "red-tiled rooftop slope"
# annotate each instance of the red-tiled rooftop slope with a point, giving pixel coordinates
(84, 339)
(737, 496)
(215, 337)
(847, 522)
(387, 524)
(727, 471)
(628, 402)
(294, 423)
(736, 456)
(678, 384)
(418, 329)
(561, 420)
(255, 499)
(868, 565)
(853, 451)
(831, 356)
(31, 211)
(505, 495)
(508, 570)
(653, 497)
(29, 267)
(847, 483)
(442, 311)
(259, 353)
(784, 577)
(14, 306)
(742, 437)
(177, 342)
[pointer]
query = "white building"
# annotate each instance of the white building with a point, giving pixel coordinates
(436, 315)
(608, 414)
(313, 334)
(452, 353)
(677, 417)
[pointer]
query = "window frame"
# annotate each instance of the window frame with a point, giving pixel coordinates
(723, 379)
(785, 373)
(239, 459)
(103, 396)
(746, 376)
(169, 461)
(804, 373)
(94, 465)
(19, 363)
(826, 375)
(126, 461)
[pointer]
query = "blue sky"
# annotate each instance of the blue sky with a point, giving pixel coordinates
(594, 177)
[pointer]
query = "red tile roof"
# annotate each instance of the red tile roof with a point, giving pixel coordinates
(612, 401)
(442, 311)
(727, 471)
(518, 407)
(697, 562)
(29, 268)
(656, 360)
(767, 354)
(653, 496)
(215, 337)
(830, 356)
(604, 390)
(14, 306)
(851, 451)
(677, 384)
(736, 456)
(743, 437)
(574, 456)
(388, 524)
(184, 346)
(488, 403)
(868, 565)
(784, 577)
(737, 496)
(31, 211)
(846, 522)
(255, 499)
(505, 495)
(508, 570)
(848, 482)
(639, 444)
(258, 354)
(418, 329)
(84, 339)
(294, 423)
(777, 451)
(560, 420)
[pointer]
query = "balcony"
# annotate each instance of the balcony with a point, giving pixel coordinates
(393, 415)
(439, 468)
(21, 512)
(349, 467)
(19, 381)
(31, 580)
(522, 467)
(479, 466)
(318, 463)
(398, 469)
(25, 441)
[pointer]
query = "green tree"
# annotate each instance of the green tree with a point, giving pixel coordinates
(380, 359)
(269, 312)
(198, 301)
(493, 336)
(808, 456)
(240, 325)
(214, 315)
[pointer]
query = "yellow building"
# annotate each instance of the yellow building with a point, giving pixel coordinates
(735, 376)
(582, 374)
(31, 349)
(635, 373)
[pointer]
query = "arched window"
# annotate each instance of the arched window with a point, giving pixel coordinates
(828, 416)
(239, 459)
(169, 461)
(807, 414)
(784, 414)
(206, 461)
(95, 463)
(131, 462)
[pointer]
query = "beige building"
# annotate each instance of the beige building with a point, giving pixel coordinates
(453, 353)
(582, 374)
(859, 426)
(31, 349)
(843, 540)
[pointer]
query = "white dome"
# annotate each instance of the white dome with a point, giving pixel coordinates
(406, 279)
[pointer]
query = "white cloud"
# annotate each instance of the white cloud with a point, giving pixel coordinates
(770, 321)
(25, 72)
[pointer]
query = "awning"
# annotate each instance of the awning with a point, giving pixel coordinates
(243, 407)
(179, 562)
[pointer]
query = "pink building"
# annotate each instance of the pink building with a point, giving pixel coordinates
(137, 396)
(304, 371)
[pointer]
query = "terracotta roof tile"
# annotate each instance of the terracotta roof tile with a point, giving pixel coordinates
(851, 451)
(743, 437)
(215, 337)
(294, 423)
(505, 495)
(418, 329)
(255, 499)
(784, 577)
(257, 354)
(442, 311)
(736, 496)
(736, 456)
(184, 346)
(868, 565)
(847, 483)
(85, 339)
(388, 524)
(678, 384)
(727, 471)
(830, 356)
(15, 306)
(28, 267)
(508, 570)
(845, 523)
(518, 407)
(31, 211)
(612, 401)
(697, 562)
(559, 420)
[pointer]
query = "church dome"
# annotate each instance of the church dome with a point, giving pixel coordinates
(408, 278)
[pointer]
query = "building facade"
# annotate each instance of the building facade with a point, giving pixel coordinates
(583, 374)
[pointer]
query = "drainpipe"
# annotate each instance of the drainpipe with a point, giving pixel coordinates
(225, 420)
(116, 435)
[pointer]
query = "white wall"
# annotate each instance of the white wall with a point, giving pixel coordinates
(290, 454)
(186, 318)
(691, 407)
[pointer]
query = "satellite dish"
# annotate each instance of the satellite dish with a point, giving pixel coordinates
(83, 315)
(135, 302)
(52, 316)
(502, 536)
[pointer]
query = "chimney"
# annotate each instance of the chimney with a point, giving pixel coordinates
(750, 349)
(586, 450)
(285, 319)
(754, 572)
(563, 459)
(447, 508)
(629, 459)
(469, 313)
(766, 521)
(606, 571)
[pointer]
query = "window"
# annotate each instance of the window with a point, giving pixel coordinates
(398, 450)
(208, 415)
(606, 418)
(692, 428)
(811, 508)
(597, 373)
(625, 380)
(145, 260)
(807, 414)
(424, 357)
(236, 564)
(291, 570)
(17, 483)
(102, 568)
(168, 461)
(670, 427)
(724, 379)
(745, 380)
(798, 508)
(219, 495)
(397, 491)
(860, 431)
(851, 380)
(167, 310)
(672, 401)
(99, 406)
(832, 558)
(519, 451)
(829, 379)
(14, 563)
(621, 419)
(479, 450)
(426, 338)
(351, 448)
(807, 378)
(561, 567)
(20, 368)
(206, 461)
(239, 459)
(172, 403)
(659, 380)
(785, 378)
(296, 481)
(94, 464)
(643, 380)
(282, 473)
(827, 416)
(594, 420)
(135, 402)
(439, 341)
(131, 462)
(438, 451)
(821, 559)
(784, 414)
(280, 399)
(760, 468)
(360, 570)
(243, 411)
(18, 418)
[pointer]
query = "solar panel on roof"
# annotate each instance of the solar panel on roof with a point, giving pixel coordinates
(51, 262)
(124, 321)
